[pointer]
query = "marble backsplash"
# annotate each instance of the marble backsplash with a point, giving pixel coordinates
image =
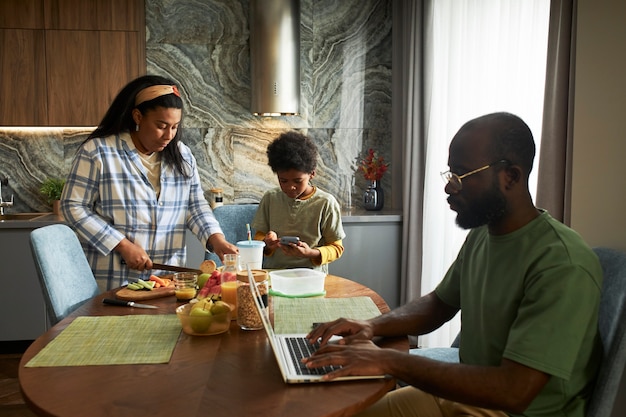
(204, 46)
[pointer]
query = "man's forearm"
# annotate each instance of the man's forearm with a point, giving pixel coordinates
(417, 317)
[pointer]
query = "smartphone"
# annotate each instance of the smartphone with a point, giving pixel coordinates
(285, 240)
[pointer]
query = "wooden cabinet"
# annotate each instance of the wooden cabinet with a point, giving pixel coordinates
(21, 14)
(87, 72)
(23, 77)
(64, 63)
(117, 15)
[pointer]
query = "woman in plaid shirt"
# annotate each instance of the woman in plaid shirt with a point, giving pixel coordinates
(134, 189)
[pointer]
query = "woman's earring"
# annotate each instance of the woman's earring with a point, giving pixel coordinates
(137, 128)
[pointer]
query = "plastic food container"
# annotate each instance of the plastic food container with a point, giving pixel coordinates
(203, 326)
(297, 282)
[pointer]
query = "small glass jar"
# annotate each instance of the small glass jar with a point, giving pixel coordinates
(229, 281)
(185, 285)
(229, 270)
(217, 198)
(248, 317)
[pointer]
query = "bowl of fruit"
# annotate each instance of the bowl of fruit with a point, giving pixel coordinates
(205, 317)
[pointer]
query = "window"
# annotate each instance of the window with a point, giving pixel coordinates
(481, 56)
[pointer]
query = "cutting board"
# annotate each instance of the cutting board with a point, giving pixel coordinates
(140, 295)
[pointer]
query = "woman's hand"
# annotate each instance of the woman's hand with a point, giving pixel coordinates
(221, 246)
(134, 256)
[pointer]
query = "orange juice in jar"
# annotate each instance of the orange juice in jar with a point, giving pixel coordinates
(185, 284)
(229, 295)
(229, 281)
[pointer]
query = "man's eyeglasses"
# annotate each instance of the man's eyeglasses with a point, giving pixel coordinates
(454, 180)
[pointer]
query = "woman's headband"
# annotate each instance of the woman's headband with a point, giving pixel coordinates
(154, 91)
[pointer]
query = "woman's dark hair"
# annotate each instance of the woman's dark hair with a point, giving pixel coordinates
(292, 150)
(119, 116)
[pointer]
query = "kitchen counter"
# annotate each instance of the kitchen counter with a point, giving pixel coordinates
(347, 216)
(373, 248)
(372, 251)
(351, 219)
(372, 257)
(366, 216)
(25, 221)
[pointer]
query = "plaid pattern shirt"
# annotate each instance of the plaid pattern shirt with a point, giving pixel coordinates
(108, 197)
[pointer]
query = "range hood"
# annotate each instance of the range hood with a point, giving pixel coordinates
(275, 57)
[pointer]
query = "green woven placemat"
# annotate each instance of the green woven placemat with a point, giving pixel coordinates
(296, 315)
(112, 340)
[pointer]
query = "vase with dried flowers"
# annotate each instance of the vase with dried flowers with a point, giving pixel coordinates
(373, 167)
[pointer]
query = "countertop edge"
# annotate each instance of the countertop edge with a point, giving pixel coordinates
(364, 216)
(352, 216)
(45, 219)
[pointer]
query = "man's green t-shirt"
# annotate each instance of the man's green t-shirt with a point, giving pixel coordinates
(532, 297)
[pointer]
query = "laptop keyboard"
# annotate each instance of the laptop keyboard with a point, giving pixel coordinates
(299, 348)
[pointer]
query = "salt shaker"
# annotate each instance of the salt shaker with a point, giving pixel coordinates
(217, 198)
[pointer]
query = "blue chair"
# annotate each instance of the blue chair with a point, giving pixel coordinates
(612, 327)
(64, 273)
(233, 219)
(444, 354)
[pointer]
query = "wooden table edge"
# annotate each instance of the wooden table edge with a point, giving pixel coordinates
(399, 343)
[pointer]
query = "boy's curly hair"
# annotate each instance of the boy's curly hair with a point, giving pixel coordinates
(292, 150)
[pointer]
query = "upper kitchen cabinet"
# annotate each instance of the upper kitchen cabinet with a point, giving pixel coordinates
(21, 14)
(63, 61)
(118, 15)
(87, 71)
(23, 90)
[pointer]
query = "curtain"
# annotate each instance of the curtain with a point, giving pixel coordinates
(408, 27)
(474, 57)
(554, 186)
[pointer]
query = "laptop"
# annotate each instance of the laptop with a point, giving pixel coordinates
(289, 349)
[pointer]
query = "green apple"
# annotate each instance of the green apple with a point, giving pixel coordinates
(205, 303)
(203, 279)
(200, 318)
(219, 307)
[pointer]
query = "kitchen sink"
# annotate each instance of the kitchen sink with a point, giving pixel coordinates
(20, 216)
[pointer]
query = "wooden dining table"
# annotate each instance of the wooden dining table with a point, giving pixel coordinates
(230, 374)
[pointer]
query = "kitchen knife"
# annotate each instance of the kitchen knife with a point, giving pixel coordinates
(174, 268)
(126, 303)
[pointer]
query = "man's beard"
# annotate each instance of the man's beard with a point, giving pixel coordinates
(491, 207)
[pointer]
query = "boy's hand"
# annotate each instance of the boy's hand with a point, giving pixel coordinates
(299, 250)
(271, 240)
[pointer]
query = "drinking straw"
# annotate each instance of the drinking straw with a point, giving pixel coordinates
(249, 232)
